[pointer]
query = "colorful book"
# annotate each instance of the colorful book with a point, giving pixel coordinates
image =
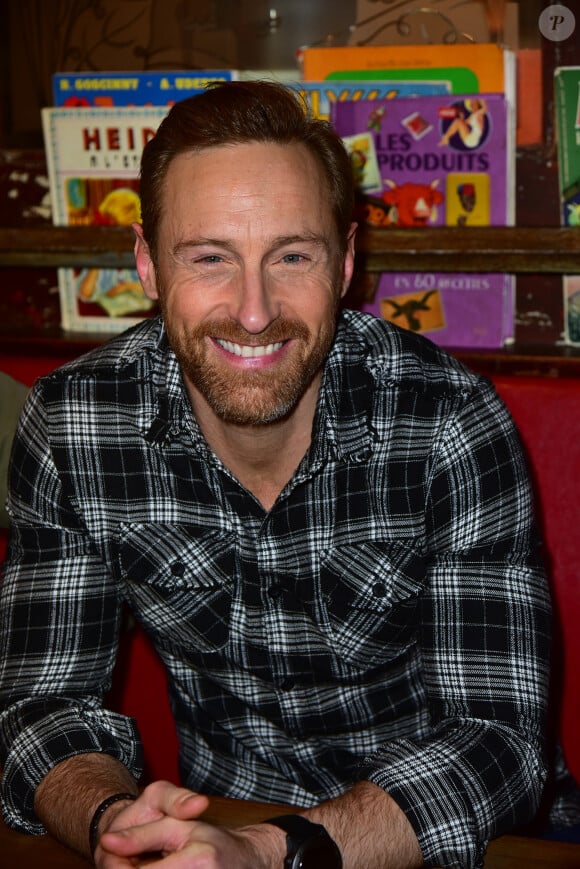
(567, 104)
(567, 108)
(466, 68)
(432, 161)
(571, 285)
(83, 89)
(93, 159)
(318, 96)
(452, 309)
(118, 88)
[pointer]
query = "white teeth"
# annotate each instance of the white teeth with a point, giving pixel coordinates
(248, 351)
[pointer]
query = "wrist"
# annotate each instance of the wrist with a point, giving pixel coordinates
(104, 815)
(308, 844)
(264, 845)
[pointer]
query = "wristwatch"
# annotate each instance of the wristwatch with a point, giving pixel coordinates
(309, 845)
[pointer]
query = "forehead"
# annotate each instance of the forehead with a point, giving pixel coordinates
(274, 174)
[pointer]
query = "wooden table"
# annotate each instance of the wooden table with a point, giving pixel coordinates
(18, 851)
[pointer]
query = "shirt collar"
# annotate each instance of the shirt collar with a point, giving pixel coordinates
(343, 424)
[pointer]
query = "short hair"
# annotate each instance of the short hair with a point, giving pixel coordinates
(239, 113)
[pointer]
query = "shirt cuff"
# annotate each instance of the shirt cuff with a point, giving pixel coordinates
(459, 792)
(47, 740)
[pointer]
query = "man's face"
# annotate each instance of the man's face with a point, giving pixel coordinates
(249, 276)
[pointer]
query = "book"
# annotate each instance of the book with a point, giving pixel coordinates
(567, 105)
(452, 309)
(451, 151)
(567, 109)
(319, 95)
(471, 68)
(83, 89)
(435, 161)
(529, 111)
(118, 88)
(93, 160)
(571, 286)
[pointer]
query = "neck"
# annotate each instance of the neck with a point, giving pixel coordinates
(262, 457)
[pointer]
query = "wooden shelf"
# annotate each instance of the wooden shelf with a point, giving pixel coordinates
(67, 246)
(515, 250)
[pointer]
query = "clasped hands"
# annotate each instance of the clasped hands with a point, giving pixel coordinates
(163, 828)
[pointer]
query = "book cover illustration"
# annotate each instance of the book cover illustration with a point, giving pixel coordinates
(434, 161)
(84, 89)
(429, 161)
(93, 158)
(567, 106)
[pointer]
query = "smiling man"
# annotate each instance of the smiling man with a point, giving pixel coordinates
(323, 521)
(249, 274)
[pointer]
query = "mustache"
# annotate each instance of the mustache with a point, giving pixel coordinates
(282, 329)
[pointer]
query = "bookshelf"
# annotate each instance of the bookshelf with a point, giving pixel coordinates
(521, 250)
(537, 249)
(550, 250)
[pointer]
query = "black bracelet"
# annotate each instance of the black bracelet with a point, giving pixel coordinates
(99, 812)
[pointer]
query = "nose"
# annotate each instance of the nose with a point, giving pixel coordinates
(257, 306)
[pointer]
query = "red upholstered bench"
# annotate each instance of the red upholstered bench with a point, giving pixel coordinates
(547, 413)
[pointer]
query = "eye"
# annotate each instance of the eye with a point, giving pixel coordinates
(210, 259)
(292, 258)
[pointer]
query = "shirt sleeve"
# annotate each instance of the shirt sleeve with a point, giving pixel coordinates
(485, 645)
(59, 627)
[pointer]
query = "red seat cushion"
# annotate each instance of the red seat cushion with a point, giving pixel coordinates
(547, 413)
(140, 690)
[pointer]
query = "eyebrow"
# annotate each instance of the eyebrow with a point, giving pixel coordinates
(275, 243)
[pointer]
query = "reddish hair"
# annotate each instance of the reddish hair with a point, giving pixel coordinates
(238, 113)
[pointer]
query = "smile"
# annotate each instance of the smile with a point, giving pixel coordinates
(248, 351)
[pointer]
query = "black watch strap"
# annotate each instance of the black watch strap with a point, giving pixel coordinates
(308, 844)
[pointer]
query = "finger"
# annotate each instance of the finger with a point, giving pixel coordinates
(107, 860)
(166, 834)
(189, 806)
(168, 799)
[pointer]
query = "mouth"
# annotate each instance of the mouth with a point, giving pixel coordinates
(248, 351)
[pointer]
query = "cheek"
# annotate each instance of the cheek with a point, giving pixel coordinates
(182, 300)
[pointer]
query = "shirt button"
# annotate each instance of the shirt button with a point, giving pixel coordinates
(379, 589)
(285, 683)
(178, 568)
(276, 591)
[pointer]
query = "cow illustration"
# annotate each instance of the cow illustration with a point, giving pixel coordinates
(412, 204)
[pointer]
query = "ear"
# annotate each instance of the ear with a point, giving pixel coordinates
(144, 264)
(348, 265)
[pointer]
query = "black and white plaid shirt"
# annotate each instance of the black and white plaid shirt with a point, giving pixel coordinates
(387, 619)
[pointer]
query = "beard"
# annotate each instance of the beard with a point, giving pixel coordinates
(252, 397)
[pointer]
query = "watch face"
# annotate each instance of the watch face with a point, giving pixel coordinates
(316, 853)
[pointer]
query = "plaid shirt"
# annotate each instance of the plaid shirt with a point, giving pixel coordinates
(387, 619)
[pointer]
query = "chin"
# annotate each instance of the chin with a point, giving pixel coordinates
(252, 412)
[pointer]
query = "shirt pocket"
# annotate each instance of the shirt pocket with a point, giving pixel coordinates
(371, 593)
(180, 583)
